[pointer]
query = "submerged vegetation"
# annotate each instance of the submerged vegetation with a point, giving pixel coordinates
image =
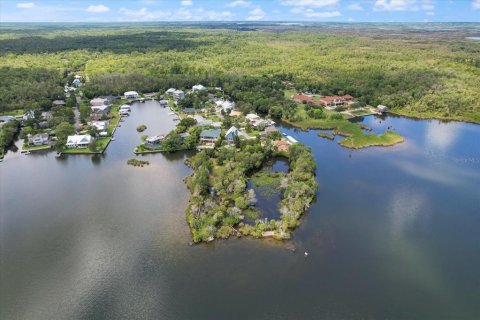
(137, 163)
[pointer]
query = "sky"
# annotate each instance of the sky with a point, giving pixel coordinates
(241, 10)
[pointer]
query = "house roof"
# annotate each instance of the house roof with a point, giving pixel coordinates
(79, 139)
(210, 133)
(198, 87)
(190, 110)
(330, 99)
(59, 102)
(232, 130)
(271, 129)
(131, 93)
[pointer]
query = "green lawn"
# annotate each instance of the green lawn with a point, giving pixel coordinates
(35, 148)
(13, 113)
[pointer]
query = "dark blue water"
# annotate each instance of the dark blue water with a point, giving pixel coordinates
(393, 234)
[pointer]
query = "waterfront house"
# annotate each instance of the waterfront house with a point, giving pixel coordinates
(38, 139)
(210, 135)
(79, 141)
(102, 109)
(269, 130)
(336, 101)
(303, 98)
(231, 134)
(153, 141)
(131, 95)
(99, 125)
(76, 83)
(382, 108)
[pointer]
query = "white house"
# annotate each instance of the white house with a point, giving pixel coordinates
(170, 91)
(38, 139)
(99, 125)
(79, 141)
(154, 140)
(198, 87)
(382, 108)
(99, 102)
(131, 95)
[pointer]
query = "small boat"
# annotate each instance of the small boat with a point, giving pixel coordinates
(119, 125)
(28, 152)
(306, 254)
(112, 139)
(284, 134)
(171, 114)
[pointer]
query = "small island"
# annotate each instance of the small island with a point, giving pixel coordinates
(221, 205)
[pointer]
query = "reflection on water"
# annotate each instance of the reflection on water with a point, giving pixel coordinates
(393, 234)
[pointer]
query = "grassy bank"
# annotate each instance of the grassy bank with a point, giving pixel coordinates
(355, 136)
(36, 148)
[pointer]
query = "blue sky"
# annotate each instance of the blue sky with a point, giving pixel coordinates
(240, 10)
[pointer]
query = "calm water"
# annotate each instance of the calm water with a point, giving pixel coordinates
(394, 234)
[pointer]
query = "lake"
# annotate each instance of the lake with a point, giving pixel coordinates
(393, 234)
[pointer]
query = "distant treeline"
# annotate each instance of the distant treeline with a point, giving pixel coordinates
(140, 42)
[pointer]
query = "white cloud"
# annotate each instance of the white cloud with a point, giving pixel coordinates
(183, 14)
(395, 5)
(186, 3)
(310, 13)
(25, 5)
(476, 4)
(355, 7)
(98, 8)
(144, 14)
(239, 3)
(404, 5)
(256, 14)
(309, 3)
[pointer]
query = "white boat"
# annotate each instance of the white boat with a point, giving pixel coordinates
(284, 134)
(113, 139)
(28, 152)
(171, 114)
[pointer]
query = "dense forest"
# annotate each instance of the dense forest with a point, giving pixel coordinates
(412, 74)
